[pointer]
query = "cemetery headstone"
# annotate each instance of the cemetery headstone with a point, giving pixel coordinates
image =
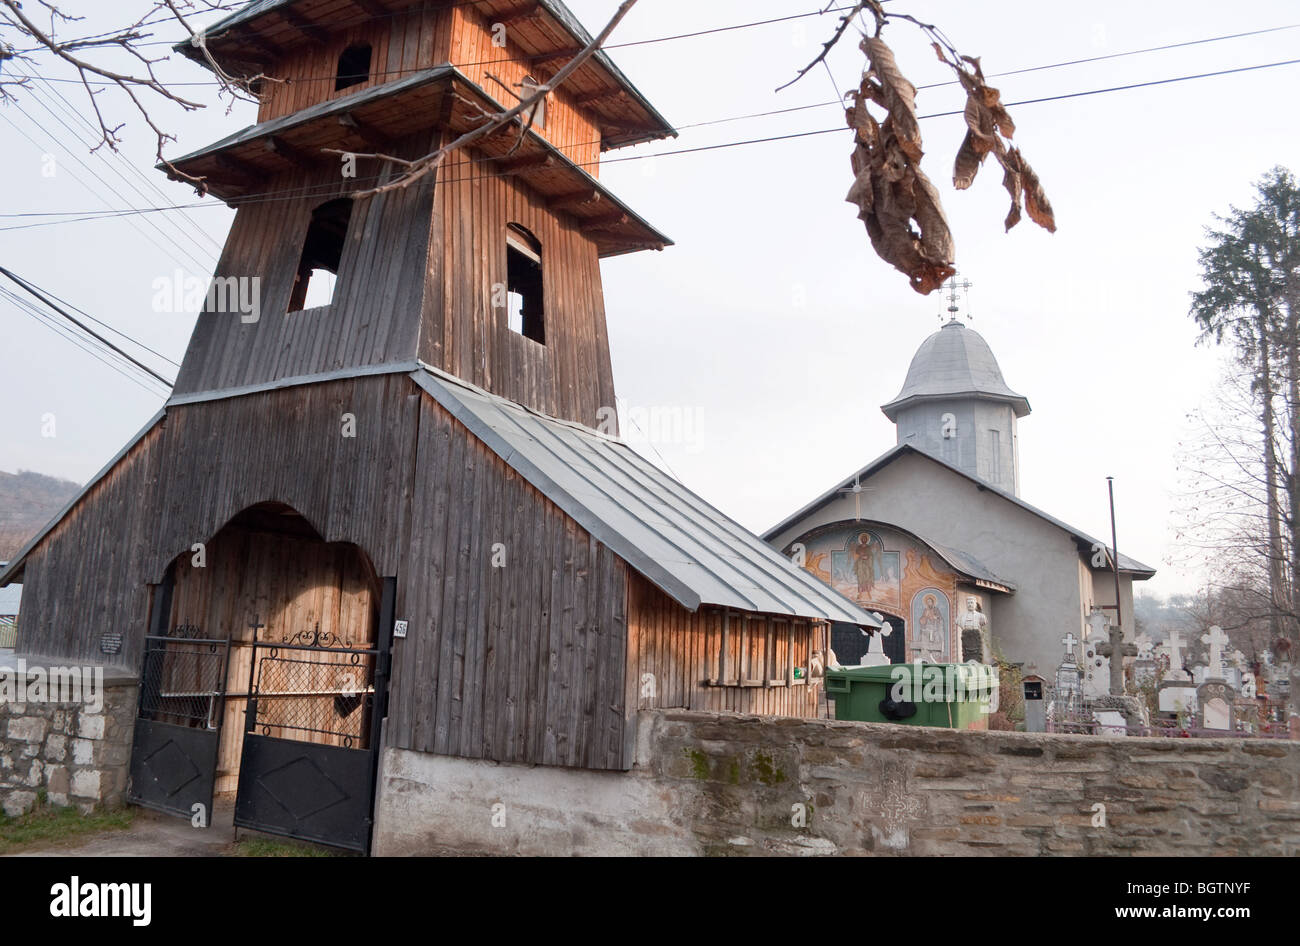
(1215, 706)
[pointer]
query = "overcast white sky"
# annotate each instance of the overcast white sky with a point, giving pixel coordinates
(770, 320)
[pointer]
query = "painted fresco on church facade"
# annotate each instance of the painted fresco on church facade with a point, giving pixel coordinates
(888, 571)
(864, 567)
(931, 619)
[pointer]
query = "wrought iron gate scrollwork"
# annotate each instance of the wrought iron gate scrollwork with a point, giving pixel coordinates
(311, 734)
(314, 694)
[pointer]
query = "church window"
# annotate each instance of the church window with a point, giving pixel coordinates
(354, 66)
(322, 249)
(524, 312)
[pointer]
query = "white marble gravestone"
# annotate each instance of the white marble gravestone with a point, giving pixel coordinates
(1215, 700)
(1177, 696)
(1110, 723)
(1215, 640)
(875, 655)
(1067, 674)
(1096, 668)
(1174, 648)
(1216, 714)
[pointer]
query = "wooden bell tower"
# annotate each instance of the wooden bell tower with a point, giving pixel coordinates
(489, 272)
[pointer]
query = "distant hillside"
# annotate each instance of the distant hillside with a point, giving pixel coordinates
(27, 501)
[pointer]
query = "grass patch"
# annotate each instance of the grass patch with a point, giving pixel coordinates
(47, 824)
(269, 847)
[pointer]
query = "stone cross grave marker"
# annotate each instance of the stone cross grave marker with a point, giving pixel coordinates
(875, 655)
(1176, 671)
(1216, 639)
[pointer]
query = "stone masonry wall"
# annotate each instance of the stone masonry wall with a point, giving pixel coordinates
(723, 784)
(79, 754)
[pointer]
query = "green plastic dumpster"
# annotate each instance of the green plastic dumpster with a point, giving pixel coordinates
(954, 696)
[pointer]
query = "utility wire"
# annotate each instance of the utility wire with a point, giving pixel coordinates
(115, 331)
(27, 308)
(798, 108)
(33, 291)
(300, 193)
(168, 251)
(741, 26)
(183, 240)
(135, 174)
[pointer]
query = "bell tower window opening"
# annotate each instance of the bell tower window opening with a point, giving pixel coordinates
(524, 313)
(354, 66)
(322, 250)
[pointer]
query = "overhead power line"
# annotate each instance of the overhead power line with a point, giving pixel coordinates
(118, 332)
(749, 25)
(128, 171)
(28, 308)
(299, 193)
(37, 293)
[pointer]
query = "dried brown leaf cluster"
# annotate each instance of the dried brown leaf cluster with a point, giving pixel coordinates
(989, 130)
(895, 199)
(890, 189)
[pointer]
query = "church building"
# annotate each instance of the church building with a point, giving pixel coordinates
(934, 536)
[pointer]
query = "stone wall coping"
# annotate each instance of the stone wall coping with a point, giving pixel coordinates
(1167, 743)
(115, 675)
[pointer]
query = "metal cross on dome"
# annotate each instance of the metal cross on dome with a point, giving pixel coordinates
(956, 291)
(857, 489)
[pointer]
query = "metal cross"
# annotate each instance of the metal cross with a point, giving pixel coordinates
(256, 625)
(953, 286)
(857, 489)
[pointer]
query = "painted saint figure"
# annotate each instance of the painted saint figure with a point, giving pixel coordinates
(931, 620)
(866, 564)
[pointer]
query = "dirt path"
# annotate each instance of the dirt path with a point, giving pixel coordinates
(151, 835)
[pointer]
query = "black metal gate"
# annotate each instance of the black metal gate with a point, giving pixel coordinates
(311, 737)
(178, 723)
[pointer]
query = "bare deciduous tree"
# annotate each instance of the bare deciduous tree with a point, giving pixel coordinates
(42, 33)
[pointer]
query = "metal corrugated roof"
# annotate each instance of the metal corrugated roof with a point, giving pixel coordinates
(1126, 564)
(953, 362)
(968, 564)
(688, 549)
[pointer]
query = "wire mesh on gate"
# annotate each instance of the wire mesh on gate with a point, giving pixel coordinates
(314, 696)
(183, 681)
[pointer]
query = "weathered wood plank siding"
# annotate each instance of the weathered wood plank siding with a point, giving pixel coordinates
(524, 662)
(423, 35)
(673, 653)
(503, 660)
(374, 316)
(84, 578)
(571, 375)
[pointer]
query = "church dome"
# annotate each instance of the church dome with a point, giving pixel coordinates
(954, 362)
